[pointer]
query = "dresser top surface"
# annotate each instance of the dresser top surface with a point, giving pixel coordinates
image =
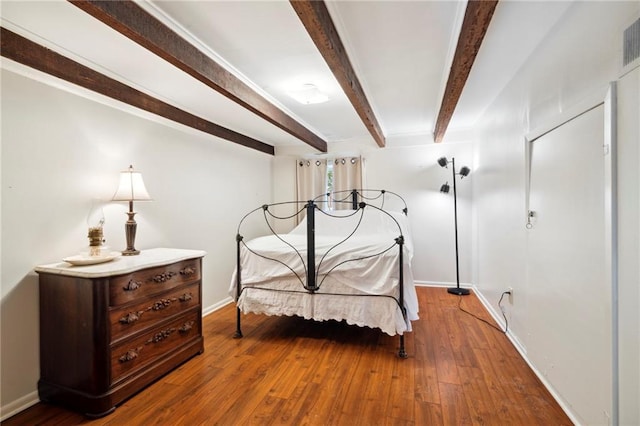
(122, 264)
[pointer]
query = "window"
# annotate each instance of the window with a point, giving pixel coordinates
(321, 176)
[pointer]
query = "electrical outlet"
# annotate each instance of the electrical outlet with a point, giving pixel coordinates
(510, 290)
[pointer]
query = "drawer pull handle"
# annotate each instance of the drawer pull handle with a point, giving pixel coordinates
(159, 337)
(131, 317)
(188, 271)
(186, 297)
(163, 277)
(132, 285)
(186, 327)
(161, 304)
(130, 355)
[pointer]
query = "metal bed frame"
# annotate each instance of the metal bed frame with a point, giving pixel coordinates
(358, 199)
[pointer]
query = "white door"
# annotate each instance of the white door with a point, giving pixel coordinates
(569, 302)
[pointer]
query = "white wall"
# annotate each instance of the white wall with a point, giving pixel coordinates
(413, 173)
(43, 210)
(629, 246)
(60, 151)
(569, 70)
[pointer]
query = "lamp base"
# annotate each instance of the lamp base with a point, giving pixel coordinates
(130, 231)
(458, 291)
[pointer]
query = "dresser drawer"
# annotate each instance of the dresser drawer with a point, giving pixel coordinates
(146, 282)
(132, 355)
(133, 318)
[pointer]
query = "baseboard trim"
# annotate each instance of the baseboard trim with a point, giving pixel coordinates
(216, 306)
(442, 284)
(19, 405)
(523, 353)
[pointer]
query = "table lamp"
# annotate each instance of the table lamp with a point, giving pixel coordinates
(131, 188)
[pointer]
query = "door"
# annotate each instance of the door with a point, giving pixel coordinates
(569, 303)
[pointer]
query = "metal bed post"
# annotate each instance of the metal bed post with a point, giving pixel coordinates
(311, 247)
(238, 333)
(402, 353)
(354, 199)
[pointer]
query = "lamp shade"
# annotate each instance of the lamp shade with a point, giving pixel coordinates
(443, 161)
(131, 187)
(464, 171)
(445, 188)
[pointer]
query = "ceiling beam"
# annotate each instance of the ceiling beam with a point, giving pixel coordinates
(138, 25)
(26, 52)
(474, 27)
(317, 21)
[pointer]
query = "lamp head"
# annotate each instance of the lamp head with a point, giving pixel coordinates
(464, 171)
(443, 161)
(445, 188)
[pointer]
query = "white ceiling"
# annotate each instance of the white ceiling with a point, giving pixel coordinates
(401, 51)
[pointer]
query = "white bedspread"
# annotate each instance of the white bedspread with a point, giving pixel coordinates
(367, 263)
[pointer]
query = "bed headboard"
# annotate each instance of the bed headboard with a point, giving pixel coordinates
(386, 201)
(351, 199)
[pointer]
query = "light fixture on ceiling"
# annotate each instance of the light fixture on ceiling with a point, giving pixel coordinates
(464, 171)
(308, 94)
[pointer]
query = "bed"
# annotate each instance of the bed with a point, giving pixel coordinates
(349, 265)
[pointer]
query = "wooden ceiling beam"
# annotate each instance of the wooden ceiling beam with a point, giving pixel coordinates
(26, 52)
(138, 25)
(316, 19)
(474, 27)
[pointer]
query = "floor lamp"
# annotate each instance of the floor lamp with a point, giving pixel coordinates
(464, 171)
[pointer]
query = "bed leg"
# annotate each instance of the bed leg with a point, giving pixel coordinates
(402, 353)
(238, 333)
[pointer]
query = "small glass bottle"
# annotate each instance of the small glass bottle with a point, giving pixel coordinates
(95, 220)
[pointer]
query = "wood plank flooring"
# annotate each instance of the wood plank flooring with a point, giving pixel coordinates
(288, 371)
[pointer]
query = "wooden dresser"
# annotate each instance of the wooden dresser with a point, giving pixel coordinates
(110, 329)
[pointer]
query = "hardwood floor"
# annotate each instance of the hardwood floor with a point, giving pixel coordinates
(288, 371)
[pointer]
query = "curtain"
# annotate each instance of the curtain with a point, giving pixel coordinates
(311, 180)
(347, 175)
